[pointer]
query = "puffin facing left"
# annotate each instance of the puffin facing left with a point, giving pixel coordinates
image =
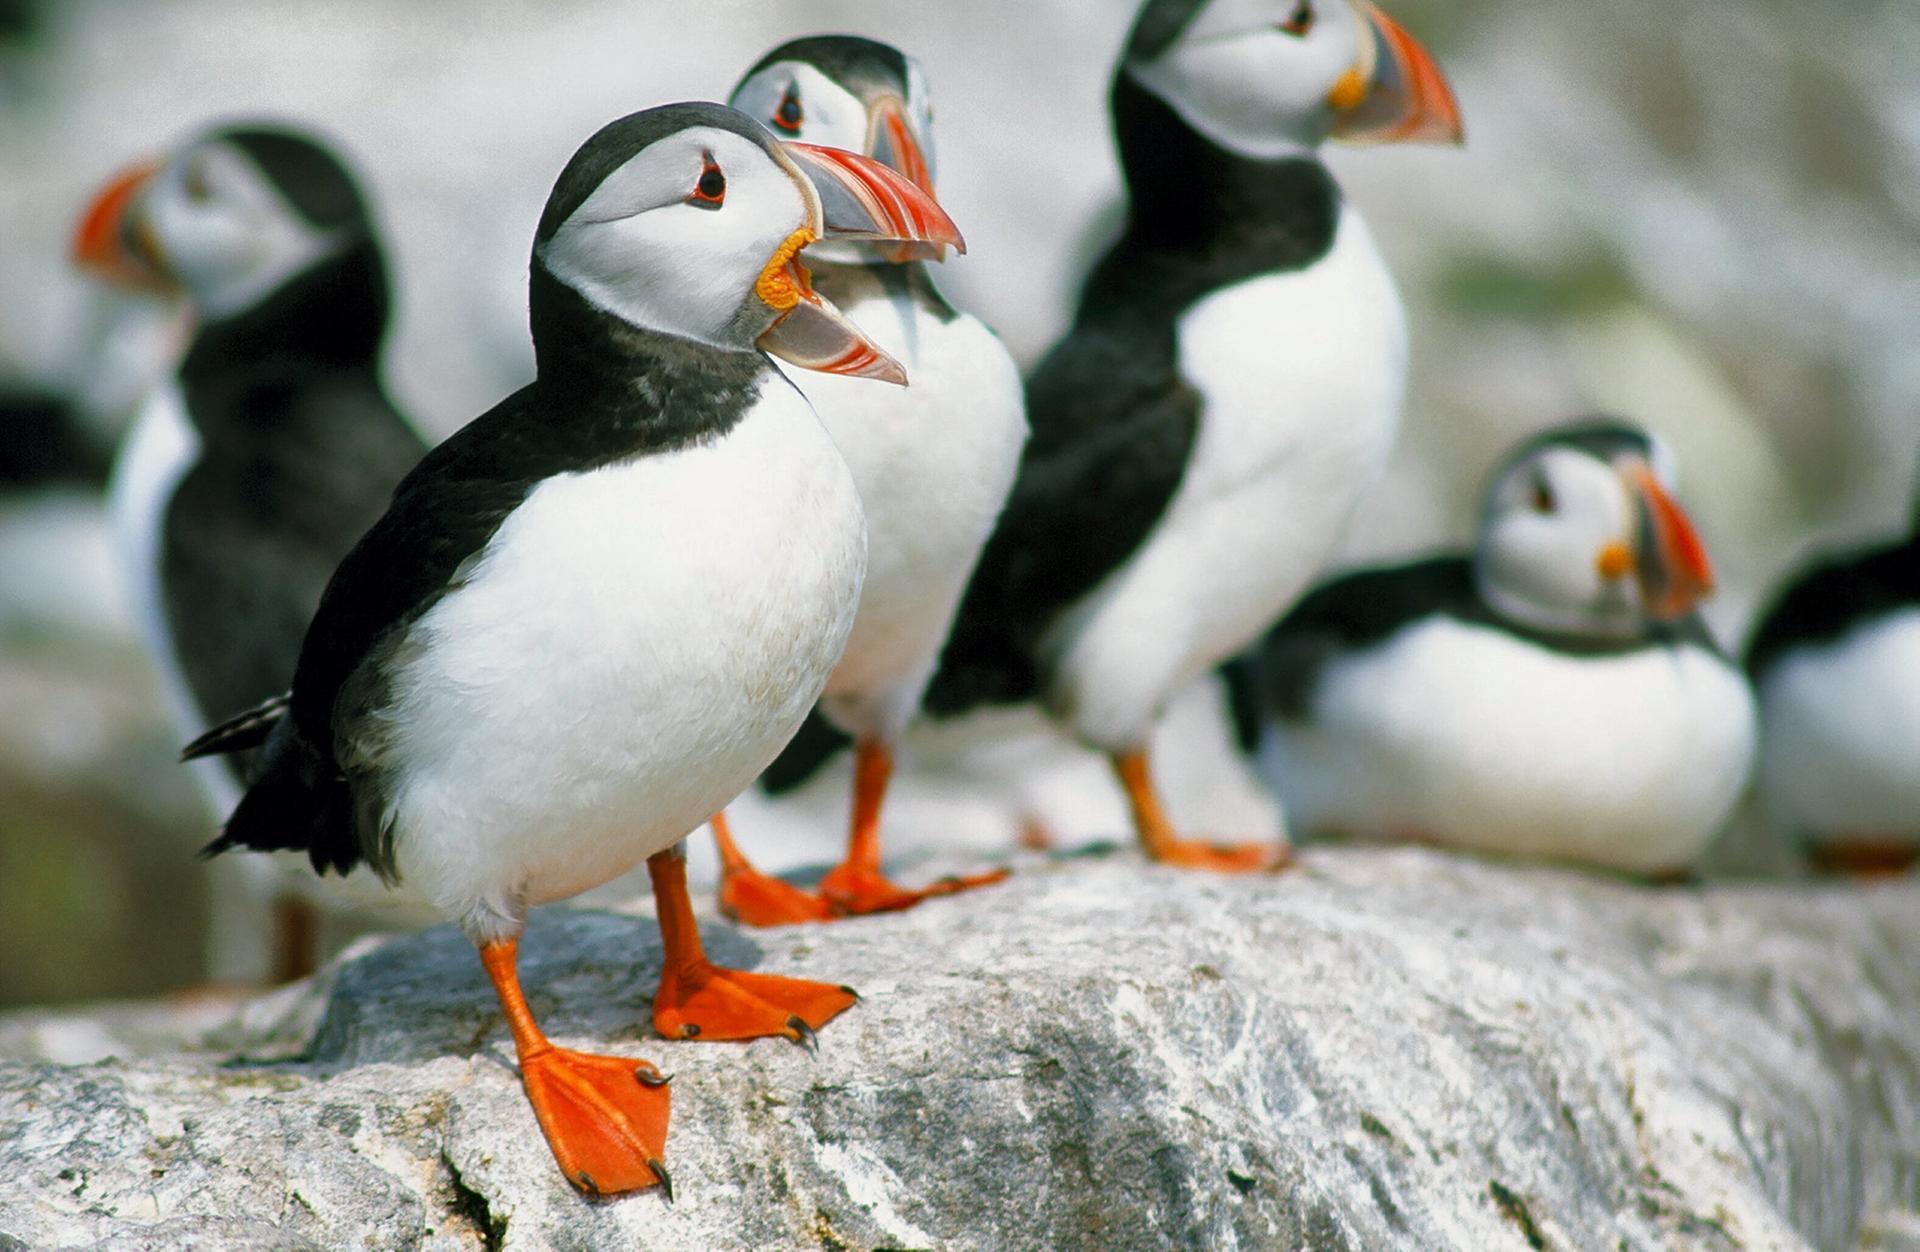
(595, 613)
(251, 470)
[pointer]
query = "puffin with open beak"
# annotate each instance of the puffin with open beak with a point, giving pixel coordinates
(594, 614)
(1551, 694)
(933, 462)
(254, 465)
(1231, 384)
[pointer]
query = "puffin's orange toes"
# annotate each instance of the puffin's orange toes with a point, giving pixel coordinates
(714, 1004)
(756, 899)
(605, 1117)
(1224, 858)
(850, 889)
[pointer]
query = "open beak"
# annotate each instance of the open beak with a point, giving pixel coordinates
(105, 242)
(892, 141)
(855, 198)
(1668, 558)
(1395, 92)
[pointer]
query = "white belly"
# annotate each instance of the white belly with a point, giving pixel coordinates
(1302, 377)
(636, 644)
(1468, 736)
(1840, 754)
(933, 462)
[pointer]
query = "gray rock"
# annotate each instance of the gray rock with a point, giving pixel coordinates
(1386, 1049)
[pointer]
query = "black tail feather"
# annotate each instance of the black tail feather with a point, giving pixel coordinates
(298, 801)
(241, 733)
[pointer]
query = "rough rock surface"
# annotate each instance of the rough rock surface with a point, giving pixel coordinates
(1386, 1049)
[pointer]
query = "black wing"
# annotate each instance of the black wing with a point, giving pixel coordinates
(1827, 601)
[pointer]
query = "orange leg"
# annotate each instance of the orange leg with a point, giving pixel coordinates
(605, 1117)
(1866, 857)
(698, 999)
(856, 885)
(296, 938)
(757, 899)
(1163, 843)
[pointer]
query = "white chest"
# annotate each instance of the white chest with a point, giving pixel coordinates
(1840, 751)
(1466, 735)
(632, 648)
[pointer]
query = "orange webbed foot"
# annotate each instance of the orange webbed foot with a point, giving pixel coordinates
(710, 1002)
(1223, 858)
(605, 1117)
(851, 889)
(756, 899)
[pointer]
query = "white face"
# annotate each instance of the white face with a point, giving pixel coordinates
(223, 231)
(796, 101)
(1253, 76)
(1546, 523)
(651, 247)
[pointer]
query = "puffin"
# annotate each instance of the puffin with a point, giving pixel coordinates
(1553, 693)
(1231, 383)
(933, 462)
(596, 612)
(256, 461)
(1836, 663)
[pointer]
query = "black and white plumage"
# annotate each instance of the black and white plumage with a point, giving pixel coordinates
(1232, 381)
(1836, 664)
(595, 613)
(1550, 694)
(933, 462)
(251, 470)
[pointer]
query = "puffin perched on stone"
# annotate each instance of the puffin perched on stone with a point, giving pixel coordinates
(252, 469)
(1836, 663)
(1232, 382)
(595, 613)
(933, 462)
(1552, 693)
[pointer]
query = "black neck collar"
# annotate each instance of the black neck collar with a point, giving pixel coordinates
(332, 316)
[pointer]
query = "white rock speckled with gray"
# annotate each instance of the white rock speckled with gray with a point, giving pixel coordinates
(1387, 1049)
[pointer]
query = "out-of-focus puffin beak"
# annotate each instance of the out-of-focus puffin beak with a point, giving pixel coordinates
(103, 242)
(1669, 559)
(891, 140)
(1395, 92)
(851, 197)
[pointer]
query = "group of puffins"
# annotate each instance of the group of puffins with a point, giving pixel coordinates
(509, 668)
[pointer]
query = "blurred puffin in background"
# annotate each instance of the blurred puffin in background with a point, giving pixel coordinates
(595, 613)
(1836, 663)
(1231, 384)
(1551, 694)
(251, 469)
(933, 461)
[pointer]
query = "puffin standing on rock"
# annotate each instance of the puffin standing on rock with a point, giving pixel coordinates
(252, 470)
(933, 462)
(1232, 382)
(1836, 662)
(1551, 694)
(595, 613)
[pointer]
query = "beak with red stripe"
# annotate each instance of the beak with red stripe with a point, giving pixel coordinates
(110, 242)
(1394, 92)
(858, 199)
(1670, 562)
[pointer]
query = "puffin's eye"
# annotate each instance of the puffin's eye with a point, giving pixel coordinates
(711, 191)
(1542, 498)
(789, 115)
(196, 183)
(1300, 21)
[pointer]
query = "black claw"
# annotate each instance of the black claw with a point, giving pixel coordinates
(689, 1030)
(850, 991)
(804, 1034)
(666, 1179)
(652, 1077)
(585, 1182)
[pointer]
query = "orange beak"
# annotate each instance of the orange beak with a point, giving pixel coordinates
(1395, 93)
(1672, 564)
(103, 243)
(892, 141)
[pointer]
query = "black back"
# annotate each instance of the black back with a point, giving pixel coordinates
(1113, 420)
(1365, 609)
(1833, 597)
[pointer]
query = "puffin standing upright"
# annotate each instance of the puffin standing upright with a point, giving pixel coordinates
(933, 462)
(1836, 662)
(1552, 694)
(1232, 382)
(252, 470)
(595, 613)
